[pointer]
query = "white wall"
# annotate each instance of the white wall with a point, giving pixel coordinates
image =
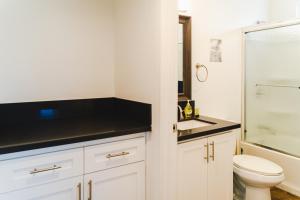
(56, 49)
(137, 49)
(146, 60)
(281, 10)
(137, 70)
(220, 96)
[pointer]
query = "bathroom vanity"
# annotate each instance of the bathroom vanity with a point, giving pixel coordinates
(80, 149)
(205, 153)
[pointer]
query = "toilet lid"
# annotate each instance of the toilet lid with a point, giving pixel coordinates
(257, 165)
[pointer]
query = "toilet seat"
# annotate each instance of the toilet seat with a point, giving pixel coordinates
(257, 165)
(258, 180)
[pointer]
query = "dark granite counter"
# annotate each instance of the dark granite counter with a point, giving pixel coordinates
(27, 126)
(217, 126)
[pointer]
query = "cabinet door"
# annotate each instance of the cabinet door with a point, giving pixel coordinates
(220, 168)
(126, 182)
(192, 170)
(70, 189)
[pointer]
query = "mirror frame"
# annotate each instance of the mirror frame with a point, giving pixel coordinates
(187, 57)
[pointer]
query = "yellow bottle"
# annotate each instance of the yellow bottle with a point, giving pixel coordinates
(188, 110)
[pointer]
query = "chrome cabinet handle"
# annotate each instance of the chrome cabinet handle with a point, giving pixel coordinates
(79, 191)
(36, 171)
(90, 190)
(117, 155)
(213, 151)
(207, 153)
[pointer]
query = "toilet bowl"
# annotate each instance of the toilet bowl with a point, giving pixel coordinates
(258, 175)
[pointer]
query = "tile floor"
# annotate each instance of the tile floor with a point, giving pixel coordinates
(278, 194)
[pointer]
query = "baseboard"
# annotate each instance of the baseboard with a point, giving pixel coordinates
(289, 189)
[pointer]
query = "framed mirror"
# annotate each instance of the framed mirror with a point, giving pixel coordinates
(184, 58)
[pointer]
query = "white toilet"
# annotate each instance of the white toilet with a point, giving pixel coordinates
(258, 174)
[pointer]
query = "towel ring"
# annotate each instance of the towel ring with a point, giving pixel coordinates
(198, 67)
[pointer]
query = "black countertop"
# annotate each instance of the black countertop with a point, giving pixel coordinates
(217, 126)
(46, 134)
(75, 121)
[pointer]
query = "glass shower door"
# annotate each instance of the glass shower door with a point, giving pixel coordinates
(272, 89)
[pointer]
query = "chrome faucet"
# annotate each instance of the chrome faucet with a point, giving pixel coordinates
(181, 113)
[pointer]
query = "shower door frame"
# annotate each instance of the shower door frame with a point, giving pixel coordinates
(261, 27)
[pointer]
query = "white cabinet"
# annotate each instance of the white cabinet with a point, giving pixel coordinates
(70, 189)
(110, 171)
(115, 171)
(205, 169)
(220, 168)
(192, 168)
(125, 182)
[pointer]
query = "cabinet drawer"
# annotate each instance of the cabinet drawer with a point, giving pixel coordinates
(34, 170)
(68, 189)
(105, 156)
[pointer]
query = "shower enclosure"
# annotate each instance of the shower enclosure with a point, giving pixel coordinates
(272, 96)
(272, 89)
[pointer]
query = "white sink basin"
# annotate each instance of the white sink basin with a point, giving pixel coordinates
(191, 124)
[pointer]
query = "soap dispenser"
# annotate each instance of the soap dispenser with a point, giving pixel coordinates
(188, 110)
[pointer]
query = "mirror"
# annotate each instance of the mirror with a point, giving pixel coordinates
(184, 58)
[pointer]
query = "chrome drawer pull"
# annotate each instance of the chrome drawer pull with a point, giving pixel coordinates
(213, 151)
(207, 153)
(36, 171)
(117, 155)
(90, 190)
(79, 191)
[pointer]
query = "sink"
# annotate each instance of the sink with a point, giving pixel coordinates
(192, 124)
